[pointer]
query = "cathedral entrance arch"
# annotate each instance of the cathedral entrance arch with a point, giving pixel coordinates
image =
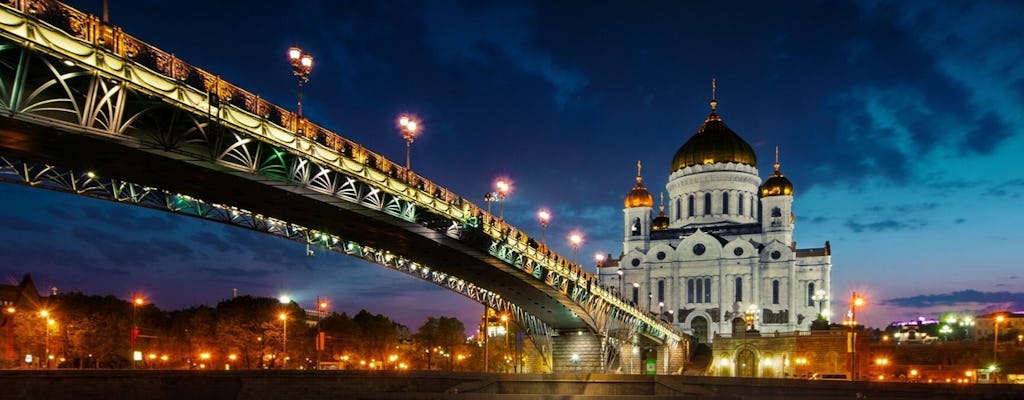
(746, 363)
(700, 329)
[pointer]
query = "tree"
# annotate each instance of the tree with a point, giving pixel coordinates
(446, 334)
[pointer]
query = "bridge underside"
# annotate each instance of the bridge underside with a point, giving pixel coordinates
(284, 201)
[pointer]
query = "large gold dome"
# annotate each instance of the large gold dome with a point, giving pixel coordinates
(714, 143)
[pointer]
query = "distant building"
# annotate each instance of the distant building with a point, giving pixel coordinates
(15, 301)
(719, 253)
(984, 325)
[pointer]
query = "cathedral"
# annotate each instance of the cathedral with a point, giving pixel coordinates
(719, 258)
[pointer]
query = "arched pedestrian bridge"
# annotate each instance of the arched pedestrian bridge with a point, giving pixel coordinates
(89, 110)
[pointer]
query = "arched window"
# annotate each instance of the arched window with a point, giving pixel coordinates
(776, 212)
(636, 295)
(725, 203)
(689, 290)
(739, 204)
(700, 291)
(689, 206)
(707, 290)
(679, 208)
(739, 289)
(752, 206)
(810, 294)
(707, 203)
(635, 230)
(661, 291)
(775, 291)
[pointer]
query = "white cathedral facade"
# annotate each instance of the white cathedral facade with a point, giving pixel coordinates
(719, 257)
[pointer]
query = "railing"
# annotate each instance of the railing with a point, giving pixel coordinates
(90, 29)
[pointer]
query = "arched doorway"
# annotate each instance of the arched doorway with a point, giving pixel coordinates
(739, 327)
(746, 363)
(700, 329)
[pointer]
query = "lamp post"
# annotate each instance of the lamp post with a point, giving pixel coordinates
(636, 294)
(137, 301)
(302, 65)
(321, 308)
(855, 302)
(995, 338)
(284, 339)
(544, 216)
(619, 271)
(410, 127)
(661, 309)
(599, 262)
(45, 315)
(575, 239)
(503, 187)
(490, 197)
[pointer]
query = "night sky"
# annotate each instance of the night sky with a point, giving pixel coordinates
(900, 124)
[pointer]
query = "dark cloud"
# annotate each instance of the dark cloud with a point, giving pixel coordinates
(884, 225)
(1011, 188)
(20, 224)
(963, 296)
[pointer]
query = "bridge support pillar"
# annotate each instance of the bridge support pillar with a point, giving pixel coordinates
(577, 351)
(673, 357)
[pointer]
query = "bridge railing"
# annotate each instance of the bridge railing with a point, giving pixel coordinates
(90, 29)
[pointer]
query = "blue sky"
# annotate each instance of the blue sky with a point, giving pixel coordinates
(899, 123)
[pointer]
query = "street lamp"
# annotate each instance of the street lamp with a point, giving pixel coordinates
(619, 271)
(575, 239)
(661, 309)
(410, 127)
(45, 315)
(544, 216)
(284, 338)
(945, 331)
(137, 301)
(995, 338)
(855, 302)
(302, 65)
(490, 197)
(321, 309)
(503, 187)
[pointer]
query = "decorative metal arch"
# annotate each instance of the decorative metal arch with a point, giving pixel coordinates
(64, 69)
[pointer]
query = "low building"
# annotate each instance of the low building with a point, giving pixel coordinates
(798, 354)
(15, 300)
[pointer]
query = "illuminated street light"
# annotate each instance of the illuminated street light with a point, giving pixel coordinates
(490, 197)
(575, 239)
(544, 216)
(284, 341)
(504, 187)
(45, 315)
(321, 308)
(137, 301)
(302, 65)
(410, 127)
(620, 281)
(855, 302)
(995, 338)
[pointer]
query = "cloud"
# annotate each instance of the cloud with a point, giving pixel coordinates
(958, 297)
(496, 33)
(21, 224)
(884, 225)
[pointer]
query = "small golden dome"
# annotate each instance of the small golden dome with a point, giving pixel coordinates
(660, 222)
(639, 196)
(777, 184)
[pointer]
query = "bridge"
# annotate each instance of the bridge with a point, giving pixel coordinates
(90, 110)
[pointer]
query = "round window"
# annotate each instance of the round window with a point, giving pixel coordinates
(776, 255)
(698, 249)
(661, 255)
(635, 262)
(738, 251)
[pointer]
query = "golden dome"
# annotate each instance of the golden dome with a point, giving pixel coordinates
(777, 184)
(714, 143)
(660, 222)
(639, 196)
